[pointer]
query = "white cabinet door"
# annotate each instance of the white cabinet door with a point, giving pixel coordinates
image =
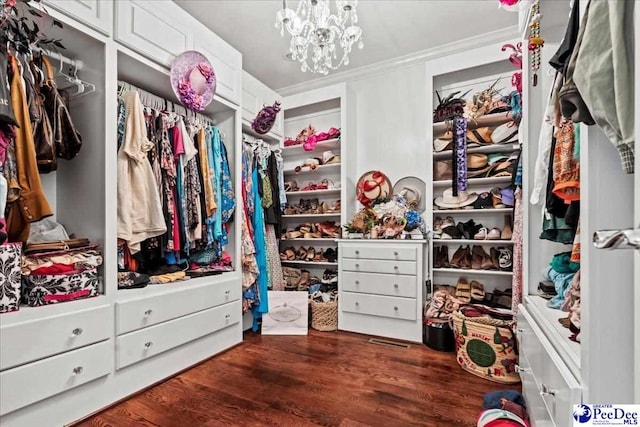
(226, 61)
(159, 30)
(97, 14)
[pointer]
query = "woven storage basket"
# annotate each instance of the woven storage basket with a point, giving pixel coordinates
(324, 316)
(486, 347)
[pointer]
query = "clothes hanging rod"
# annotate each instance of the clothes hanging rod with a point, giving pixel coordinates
(154, 101)
(77, 64)
(474, 83)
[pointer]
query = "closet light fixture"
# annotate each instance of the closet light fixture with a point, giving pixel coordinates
(319, 35)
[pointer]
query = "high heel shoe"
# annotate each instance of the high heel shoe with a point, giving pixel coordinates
(507, 233)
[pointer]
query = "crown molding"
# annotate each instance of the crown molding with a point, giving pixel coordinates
(405, 61)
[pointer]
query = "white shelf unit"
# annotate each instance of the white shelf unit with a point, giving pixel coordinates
(473, 71)
(322, 109)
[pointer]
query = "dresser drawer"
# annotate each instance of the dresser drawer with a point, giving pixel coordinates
(379, 266)
(376, 305)
(36, 381)
(555, 383)
(142, 312)
(140, 345)
(29, 341)
(382, 251)
(379, 284)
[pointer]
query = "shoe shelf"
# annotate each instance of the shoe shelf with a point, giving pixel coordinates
(328, 192)
(489, 120)
(303, 216)
(334, 167)
(302, 239)
(476, 181)
(472, 241)
(473, 272)
(484, 149)
(446, 212)
(329, 144)
(314, 263)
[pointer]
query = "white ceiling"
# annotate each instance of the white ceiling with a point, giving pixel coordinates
(391, 28)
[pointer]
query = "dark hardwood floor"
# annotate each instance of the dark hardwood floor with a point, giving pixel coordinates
(326, 378)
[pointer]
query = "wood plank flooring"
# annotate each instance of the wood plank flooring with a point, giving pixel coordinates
(326, 379)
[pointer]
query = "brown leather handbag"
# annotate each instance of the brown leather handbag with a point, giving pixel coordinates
(41, 126)
(67, 140)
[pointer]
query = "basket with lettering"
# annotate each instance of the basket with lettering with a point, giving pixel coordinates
(324, 316)
(486, 346)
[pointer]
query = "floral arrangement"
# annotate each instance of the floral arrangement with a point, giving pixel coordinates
(386, 219)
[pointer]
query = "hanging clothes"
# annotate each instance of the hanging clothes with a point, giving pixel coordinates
(261, 255)
(139, 210)
(31, 204)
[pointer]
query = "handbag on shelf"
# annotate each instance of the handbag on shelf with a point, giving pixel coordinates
(67, 140)
(61, 246)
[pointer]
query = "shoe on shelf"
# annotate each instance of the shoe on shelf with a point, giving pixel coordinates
(437, 226)
(494, 234)
(479, 258)
(505, 259)
(482, 234)
(331, 255)
(440, 257)
(477, 291)
(451, 232)
(463, 290)
(461, 258)
(507, 233)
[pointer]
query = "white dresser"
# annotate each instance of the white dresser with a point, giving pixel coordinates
(381, 287)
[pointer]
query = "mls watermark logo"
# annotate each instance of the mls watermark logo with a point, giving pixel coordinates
(606, 415)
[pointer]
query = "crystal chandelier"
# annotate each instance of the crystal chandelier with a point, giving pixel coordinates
(316, 32)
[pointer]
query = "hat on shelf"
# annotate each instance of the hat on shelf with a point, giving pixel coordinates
(449, 201)
(328, 158)
(481, 136)
(266, 118)
(477, 165)
(440, 144)
(372, 186)
(193, 80)
(503, 167)
(505, 134)
(412, 189)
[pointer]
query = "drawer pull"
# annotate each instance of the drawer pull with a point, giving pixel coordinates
(148, 313)
(357, 282)
(520, 370)
(357, 265)
(357, 303)
(395, 308)
(396, 268)
(395, 285)
(546, 390)
(148, 344)
(228, 316)
(77, 370)
(76, 332)
(520, 330)
(226, 293)
(357, 252)
(395, 253)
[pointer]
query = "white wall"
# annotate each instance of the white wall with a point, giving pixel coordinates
(390, 123)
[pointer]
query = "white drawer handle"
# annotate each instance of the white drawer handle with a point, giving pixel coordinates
(546, 390)
(357, 252)
(395, 285)
(396, 268)
(227, 293)
(395, 253)
(520, 330)
(76, 332)
(522, 370)
(357, 282)
(77, 370)
(148, 344)
(395, 308)
(148, 313)
(228, 316)
(357, 265)
(357, 303)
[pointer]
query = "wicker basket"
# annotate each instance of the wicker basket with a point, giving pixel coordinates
(486, 347)
(324, 316)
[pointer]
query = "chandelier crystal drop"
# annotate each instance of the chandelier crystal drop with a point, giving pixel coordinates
(318, 34)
